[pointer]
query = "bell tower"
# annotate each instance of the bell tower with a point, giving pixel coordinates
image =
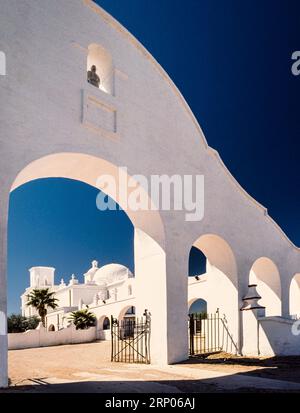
(41, 277)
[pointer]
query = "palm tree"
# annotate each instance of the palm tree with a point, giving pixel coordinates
(83, 319)
(41, 300)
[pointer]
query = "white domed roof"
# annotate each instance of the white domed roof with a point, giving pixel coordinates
(111, 273)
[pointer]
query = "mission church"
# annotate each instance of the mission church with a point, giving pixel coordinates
(108, 290)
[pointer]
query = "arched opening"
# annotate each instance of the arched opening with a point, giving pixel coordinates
(51, 327)
(127, 319)
(106, 323)
(198, 306)
(265, 274)
(99, 57)
(127, 313)
(86, 169)
(217, 282)
(197, 263)
(295, 296)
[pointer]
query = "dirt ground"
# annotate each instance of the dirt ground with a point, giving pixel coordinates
(87, 368)
(279, 368)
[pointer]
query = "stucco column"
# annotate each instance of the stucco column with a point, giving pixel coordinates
(3, 300)
(177, 304)
(285, 293)
(251, 332)
(161, 288)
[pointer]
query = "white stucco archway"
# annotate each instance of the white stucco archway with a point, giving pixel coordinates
(87, 168)
(149, 237)
(265, 274)
(219, 285)
(124, 310)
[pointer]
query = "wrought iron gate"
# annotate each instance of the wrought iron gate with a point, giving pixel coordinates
(130, 339)
(208, 333)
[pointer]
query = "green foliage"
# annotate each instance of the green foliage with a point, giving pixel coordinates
(16, 323)
(83, 319)
(41, 300)
(202, 314)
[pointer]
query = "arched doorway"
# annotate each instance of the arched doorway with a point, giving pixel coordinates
(216, 283)
(198, 306)
(51, 327)
(106, 324)
(128, 313)
(87, 169)
(265, 274)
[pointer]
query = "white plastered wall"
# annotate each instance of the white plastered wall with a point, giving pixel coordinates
(48, 109)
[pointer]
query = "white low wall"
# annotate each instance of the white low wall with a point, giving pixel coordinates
(43, 338)
(276, 337)
(103, 335)
(269, 336)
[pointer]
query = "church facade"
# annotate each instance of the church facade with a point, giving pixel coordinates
(106, 291)
(56, 122)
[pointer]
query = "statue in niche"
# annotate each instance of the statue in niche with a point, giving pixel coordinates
(92, 77)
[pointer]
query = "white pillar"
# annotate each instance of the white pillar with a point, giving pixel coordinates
(3, 297)
(160, 290)
(251, 310)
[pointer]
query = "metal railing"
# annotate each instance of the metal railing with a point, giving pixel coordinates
(130, 339)
(209, 333)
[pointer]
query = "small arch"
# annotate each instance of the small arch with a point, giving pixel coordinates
(295, 296)
(106, 324)
(51, 327)
(219, 288)
(99, 57)
(265, 274)
(197, 262)
(127, 312)
(198, 305)
(218, 254)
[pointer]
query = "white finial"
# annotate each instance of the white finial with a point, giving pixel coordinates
(73, 280)
(95, 264)
(62, 283)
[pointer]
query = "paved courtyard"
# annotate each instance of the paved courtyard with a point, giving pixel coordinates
(87, 368)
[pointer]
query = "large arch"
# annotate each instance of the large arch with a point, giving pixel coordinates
(88, 169)
(128, 310)
(149, 239)
(265, 274)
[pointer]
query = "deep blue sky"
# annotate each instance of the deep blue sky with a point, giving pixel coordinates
(232, 62)
(55, 222)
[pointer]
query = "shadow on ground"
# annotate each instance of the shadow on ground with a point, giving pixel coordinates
(280, 368)
(235, 383)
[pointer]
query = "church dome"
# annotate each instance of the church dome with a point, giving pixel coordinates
(111, 273)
